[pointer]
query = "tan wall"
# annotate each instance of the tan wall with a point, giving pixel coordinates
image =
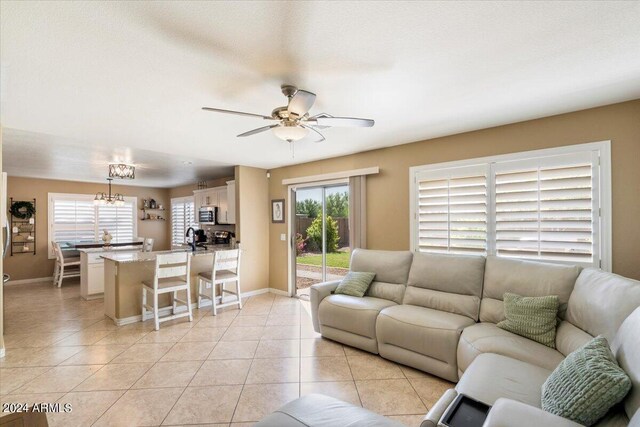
(26, 266)
(252, 220)
(388, 192)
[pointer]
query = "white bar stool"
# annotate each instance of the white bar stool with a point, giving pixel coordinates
(226, 269)
(172, 275)
(61, 263)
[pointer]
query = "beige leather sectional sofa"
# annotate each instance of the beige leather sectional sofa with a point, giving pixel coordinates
(438, 313)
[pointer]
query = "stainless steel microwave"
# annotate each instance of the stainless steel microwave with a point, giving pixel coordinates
(208, 215)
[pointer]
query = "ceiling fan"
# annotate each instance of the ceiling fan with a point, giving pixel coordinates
(293, 121)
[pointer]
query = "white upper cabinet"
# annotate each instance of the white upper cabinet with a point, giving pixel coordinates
(222, 197)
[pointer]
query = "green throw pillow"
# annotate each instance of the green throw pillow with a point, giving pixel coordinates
(355, 283)
(586, 384)
(531, 317)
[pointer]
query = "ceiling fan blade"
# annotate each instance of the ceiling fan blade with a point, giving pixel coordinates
(239, 113)
(344, 121)
(319, 136)
(255, 131)
(301, 103)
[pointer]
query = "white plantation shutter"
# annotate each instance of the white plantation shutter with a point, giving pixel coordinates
(120, 221)
(545, 208)
(73, 218)
(551, 205)
(452, 210)
(182, 217)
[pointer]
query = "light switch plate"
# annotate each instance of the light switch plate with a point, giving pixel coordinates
(283, 237)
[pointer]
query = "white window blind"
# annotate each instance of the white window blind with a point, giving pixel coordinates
(545, 205)
(452, 210)
(545, 208)
(119, 220)
(73, 218)
(182, 217)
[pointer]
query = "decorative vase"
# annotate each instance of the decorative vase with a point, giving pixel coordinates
(106, 238)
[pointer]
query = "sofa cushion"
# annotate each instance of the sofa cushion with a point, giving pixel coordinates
(569, 338)
(355, 283)
(425, 331)
(391, 268)
(626, 348)
(492, 376)
(531, 317)
(323, 411)
(586, 384)
(601, 301)
(445, 282)
(526, 278)
(352, 314)
(488, 338)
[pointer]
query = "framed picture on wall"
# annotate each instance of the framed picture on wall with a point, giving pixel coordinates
(277, 210)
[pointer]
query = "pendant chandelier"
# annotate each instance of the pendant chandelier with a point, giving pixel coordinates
(118, 170)
(108, 199)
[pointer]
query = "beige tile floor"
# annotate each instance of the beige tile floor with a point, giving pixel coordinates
(227, 370)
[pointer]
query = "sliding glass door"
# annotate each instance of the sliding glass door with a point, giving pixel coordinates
(320, 235)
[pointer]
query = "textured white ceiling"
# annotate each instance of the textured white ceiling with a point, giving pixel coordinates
(101, 75)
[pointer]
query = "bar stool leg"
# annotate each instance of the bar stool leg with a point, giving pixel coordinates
(189, 305)
(60, 275)
(239, 293)
(155, 311)
(213, 299)
(199, 292)
(174, 304)
(144, 303)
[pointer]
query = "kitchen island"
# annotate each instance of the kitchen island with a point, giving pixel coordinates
(125, 271)
(92, 268)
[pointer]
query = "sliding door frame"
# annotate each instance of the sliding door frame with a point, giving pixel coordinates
(291, 238)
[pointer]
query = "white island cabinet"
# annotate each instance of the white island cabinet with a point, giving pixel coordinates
(92, 269)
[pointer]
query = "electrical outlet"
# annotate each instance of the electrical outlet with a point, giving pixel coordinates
(283, 237)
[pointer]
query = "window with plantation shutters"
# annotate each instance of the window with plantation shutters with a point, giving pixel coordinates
(549, 205)
(452, 210)
(545, 208)
(74, 218)
(182, 217)
(118, 220)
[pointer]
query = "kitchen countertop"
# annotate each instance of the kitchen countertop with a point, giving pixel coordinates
(110, 249)
(130, 257)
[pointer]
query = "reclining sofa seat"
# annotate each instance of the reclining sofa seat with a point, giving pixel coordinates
(600, 304)
(526, 278)
(352, 320)
(442, 298)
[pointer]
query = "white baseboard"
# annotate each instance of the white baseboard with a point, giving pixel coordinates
(25, 281)
(279, 292)
(2, 352)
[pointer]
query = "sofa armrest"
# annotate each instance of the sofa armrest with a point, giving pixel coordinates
(437, 411)
(507, 413)
(318, 292)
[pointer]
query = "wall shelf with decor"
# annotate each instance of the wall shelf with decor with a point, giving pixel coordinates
(152, 210)
(23, 226)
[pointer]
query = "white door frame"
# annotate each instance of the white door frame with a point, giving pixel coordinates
(291, 230)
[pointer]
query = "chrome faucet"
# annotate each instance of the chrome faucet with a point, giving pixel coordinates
(193, 238)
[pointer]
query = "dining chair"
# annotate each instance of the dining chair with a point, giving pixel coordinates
(71, 265)
(147, 244)
(225, 269)
(172, 275)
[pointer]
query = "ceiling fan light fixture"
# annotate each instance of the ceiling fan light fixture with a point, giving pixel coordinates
(290, 133)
